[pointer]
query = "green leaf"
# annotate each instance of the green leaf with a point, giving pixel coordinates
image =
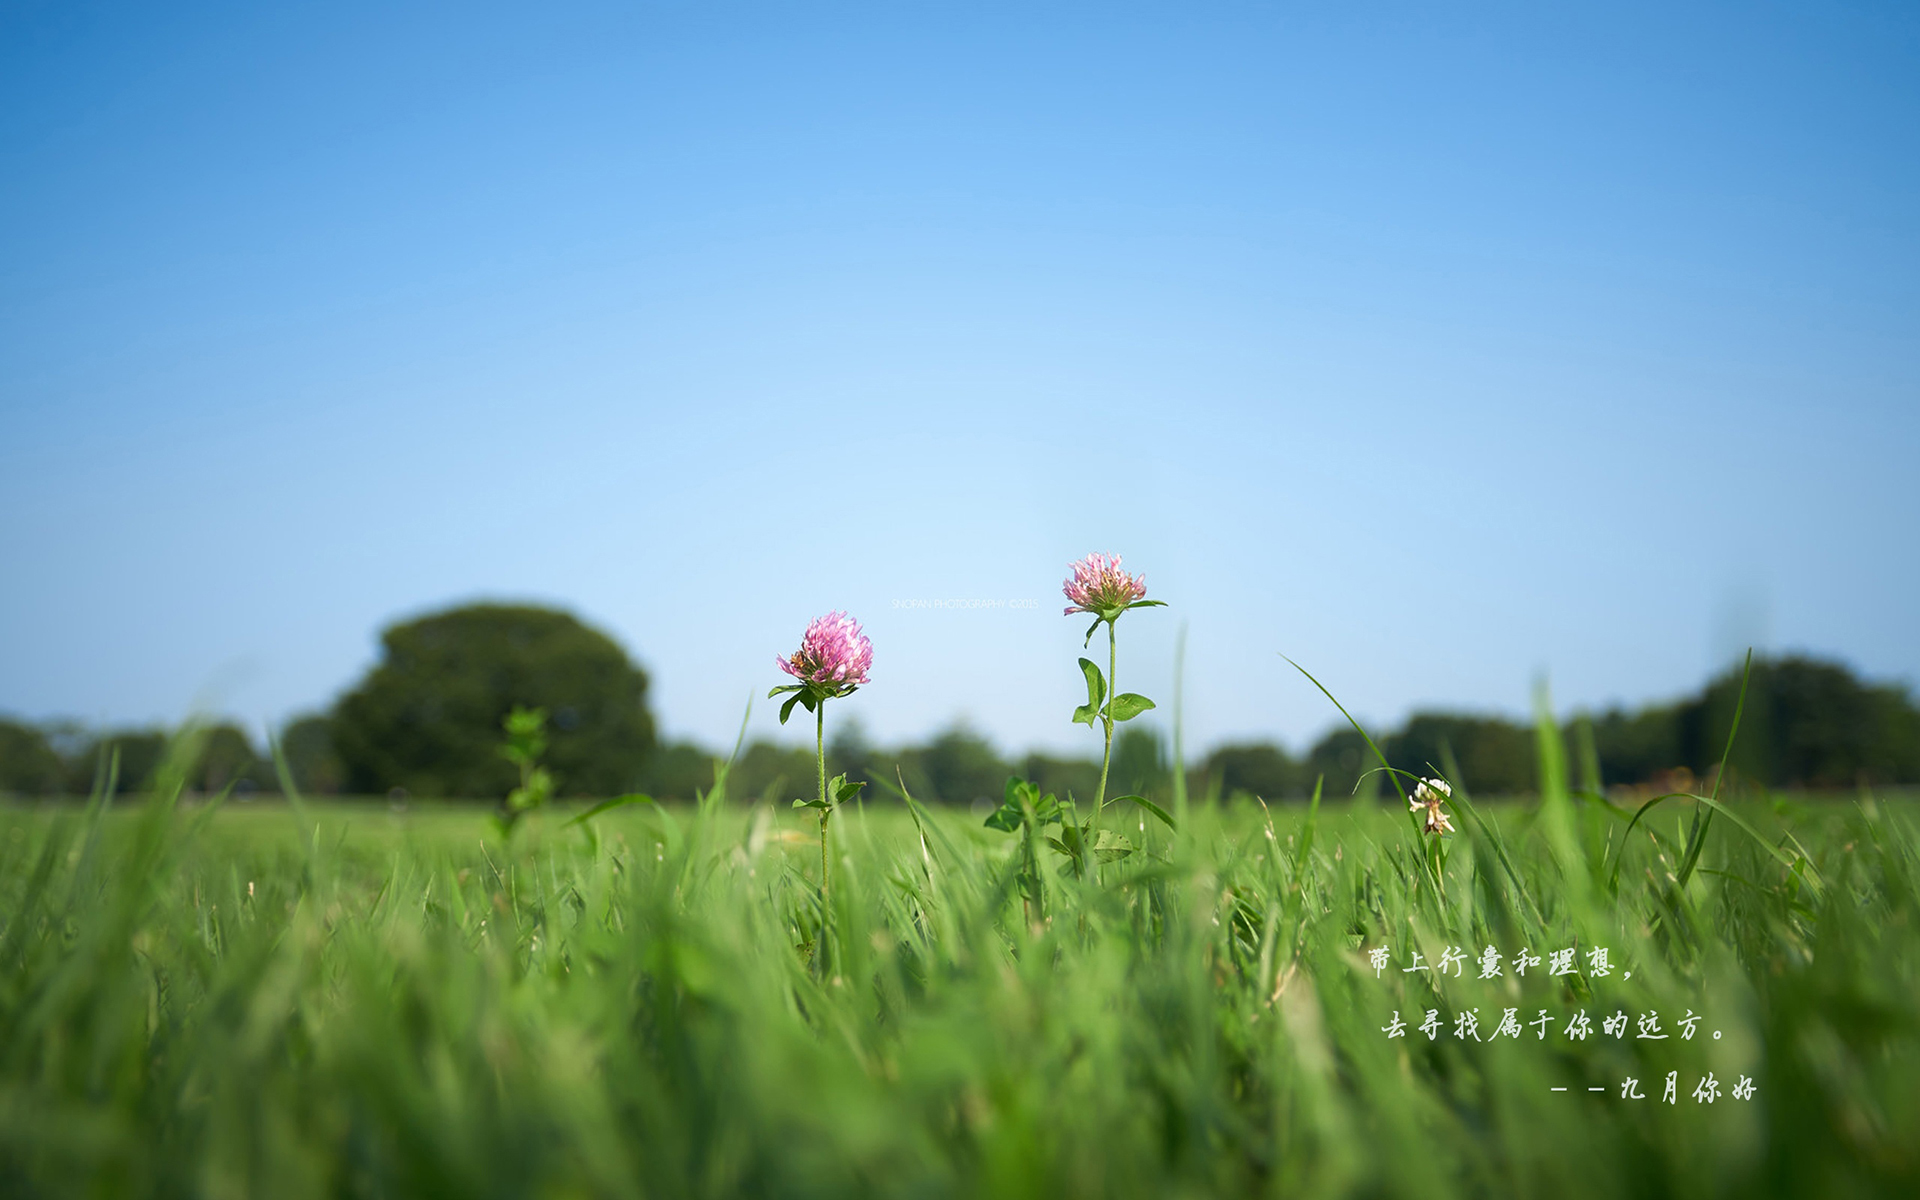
(1128, 705)
(1088, 713)
(1072, 841)
(842, 791)
(1096, 682)
(1110, 846)
(1151, 807)
(1021, 802)
(1147, 604)
(791, 687)
(786, 710)
(810, 804)
(1088, 640)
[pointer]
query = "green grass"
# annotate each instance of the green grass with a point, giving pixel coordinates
(267, 1001)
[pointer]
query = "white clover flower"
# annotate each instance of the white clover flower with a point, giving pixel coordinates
(1430, 794)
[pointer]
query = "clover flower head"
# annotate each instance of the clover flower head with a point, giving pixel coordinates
(833, 654)
(1429, 794)
(1098, 585)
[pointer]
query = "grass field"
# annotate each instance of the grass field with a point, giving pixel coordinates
(280, 1001)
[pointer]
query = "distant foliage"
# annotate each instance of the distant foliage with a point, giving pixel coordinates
(1255, 769)
(307, 745)
(410, 724)
(1807, 724)
(227, 760)
(29, 766)
(1339, 758)
(31, 763)
(1140, 765)
(1496, 757)
(680, 771)
(960, 767)
(767, 772)
(1812, 724)
(1635, 747)
(1074, 778)
(427, 718)
(850, 753)
(139, 750)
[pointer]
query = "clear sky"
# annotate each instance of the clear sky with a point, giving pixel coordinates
(1438, 350)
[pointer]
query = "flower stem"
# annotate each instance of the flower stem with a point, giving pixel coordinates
(1106, 756)
(820, 754)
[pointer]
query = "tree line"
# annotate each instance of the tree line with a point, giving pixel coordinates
(426, 720)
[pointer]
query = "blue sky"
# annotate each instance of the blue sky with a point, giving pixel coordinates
(1436, 350)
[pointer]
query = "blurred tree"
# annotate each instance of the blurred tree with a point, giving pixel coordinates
(227, 759)
(1075, 778)
(29, 765)
(72, 741)
(1341, 757)
(1258, 769)
(679, 770)
(769, 773)
(307, 745)
(959, 767)
(427, 717)
(1495, 757)
(1807, 723)
(849, 753)
(1139, 763)
(140, 753)
(1634, 747)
